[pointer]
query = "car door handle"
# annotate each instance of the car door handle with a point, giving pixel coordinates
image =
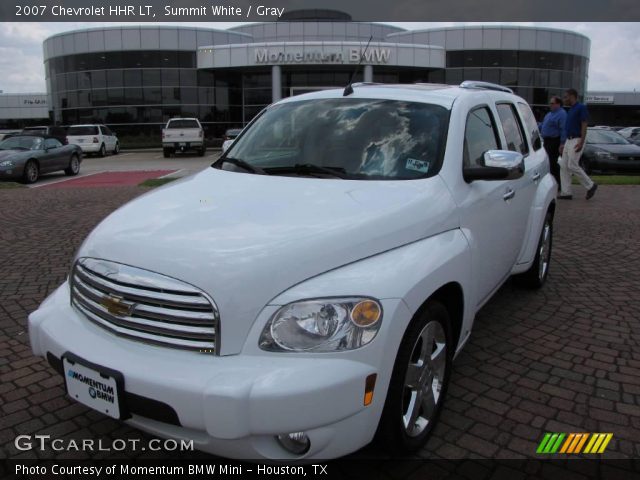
(536, 176)
(509, 194)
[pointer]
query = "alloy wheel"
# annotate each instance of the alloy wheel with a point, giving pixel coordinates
(424, 379)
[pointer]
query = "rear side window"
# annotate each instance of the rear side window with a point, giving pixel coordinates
(105, 130)
(531, 125)
(512, 129)
(480, 135)
(78, 131)
(183, 124)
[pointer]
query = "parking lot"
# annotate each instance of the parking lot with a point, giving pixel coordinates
(151, 161)
(562, 359)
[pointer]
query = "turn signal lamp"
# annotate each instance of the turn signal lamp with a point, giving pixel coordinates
(366, 313)
(369, 386)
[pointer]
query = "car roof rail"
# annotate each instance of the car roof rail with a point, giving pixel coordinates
(485, 86)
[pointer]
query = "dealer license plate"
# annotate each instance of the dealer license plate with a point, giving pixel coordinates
(93, 385)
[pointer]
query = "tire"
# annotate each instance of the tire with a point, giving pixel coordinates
(116, 150)
(74, 166)
(586, 166)
(201, 152)
(404, 425)
(166, 152)
(31, 172)
(103, 151)
(537, 274)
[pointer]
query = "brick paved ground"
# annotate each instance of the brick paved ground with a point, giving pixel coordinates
(562, 359)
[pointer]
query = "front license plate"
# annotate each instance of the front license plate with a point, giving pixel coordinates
(97, 387)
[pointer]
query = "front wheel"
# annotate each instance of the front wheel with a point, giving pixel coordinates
(586, 166)
(537, 274)
(103, 151)
(74, 166)
(418, 383)
(31, 172)
(116, 150)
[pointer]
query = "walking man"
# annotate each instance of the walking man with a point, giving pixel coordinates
(572, 143)
(551, 130)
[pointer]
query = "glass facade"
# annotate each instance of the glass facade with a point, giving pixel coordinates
(534, 75)
(134, 79)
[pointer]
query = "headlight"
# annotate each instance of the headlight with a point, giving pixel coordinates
(324, 325)
(6, 163)
(602, 155)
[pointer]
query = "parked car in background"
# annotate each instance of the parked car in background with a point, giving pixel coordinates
(8, 133)
(629, 132)
(309, 292)
(26, 157)
(607, 151)
(635, 139)
(94, 139)
(229, 136)
(57, 132)
(181, 135)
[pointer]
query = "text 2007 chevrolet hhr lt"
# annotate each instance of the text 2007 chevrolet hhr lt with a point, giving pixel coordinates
(307, 293)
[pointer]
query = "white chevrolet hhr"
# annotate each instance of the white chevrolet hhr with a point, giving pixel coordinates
(308, 293)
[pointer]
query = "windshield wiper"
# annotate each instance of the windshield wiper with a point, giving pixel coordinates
(309, 168)
(242, 164)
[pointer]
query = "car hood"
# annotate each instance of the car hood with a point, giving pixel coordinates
(629, 149)
(7, 154)
(244, 239)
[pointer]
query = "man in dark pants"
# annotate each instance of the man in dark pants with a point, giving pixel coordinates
(551, 130)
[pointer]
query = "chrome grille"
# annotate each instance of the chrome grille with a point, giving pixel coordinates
(144, 305)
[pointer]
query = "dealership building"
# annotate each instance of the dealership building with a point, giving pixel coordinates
(134, 78)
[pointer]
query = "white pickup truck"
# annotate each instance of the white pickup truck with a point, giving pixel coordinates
(182, 134)
(309, 292)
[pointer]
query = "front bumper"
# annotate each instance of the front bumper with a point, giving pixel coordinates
(13, 172)
(228, 405)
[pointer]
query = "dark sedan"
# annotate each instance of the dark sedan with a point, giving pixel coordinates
(26, 157)
(609, 152)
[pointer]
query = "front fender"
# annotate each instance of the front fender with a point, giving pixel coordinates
(411, 273)
(545, 196)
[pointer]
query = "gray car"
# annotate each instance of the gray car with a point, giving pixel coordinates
(26, 157)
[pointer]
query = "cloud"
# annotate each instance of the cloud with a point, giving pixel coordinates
(615, 51)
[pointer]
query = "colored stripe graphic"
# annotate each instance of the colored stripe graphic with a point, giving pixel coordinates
(573, 443)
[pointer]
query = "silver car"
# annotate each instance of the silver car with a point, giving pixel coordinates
(26, 157)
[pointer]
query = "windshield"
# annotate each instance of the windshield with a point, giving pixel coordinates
(364, 138)
(86, 130)
(21, 143)
(183, 124)
(605, 136)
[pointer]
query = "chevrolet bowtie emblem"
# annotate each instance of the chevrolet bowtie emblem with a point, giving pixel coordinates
(117, 306)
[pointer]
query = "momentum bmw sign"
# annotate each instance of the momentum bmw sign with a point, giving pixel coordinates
(349, 55)
(321, 53)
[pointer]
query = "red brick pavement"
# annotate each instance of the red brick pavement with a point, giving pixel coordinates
(110, 179)
(565, 358)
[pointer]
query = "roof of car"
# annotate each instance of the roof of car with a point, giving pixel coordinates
(439, 94)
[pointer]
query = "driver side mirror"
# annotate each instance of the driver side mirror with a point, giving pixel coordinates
(497, 165)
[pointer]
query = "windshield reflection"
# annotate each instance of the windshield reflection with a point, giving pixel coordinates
(365, 138)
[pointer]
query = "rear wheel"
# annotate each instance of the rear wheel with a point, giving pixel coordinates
(166, 152)
(201, 152)
(418, 383)
(74, 166)
(103, 151)
(537, 274)
(31, 172)
(116, 150)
